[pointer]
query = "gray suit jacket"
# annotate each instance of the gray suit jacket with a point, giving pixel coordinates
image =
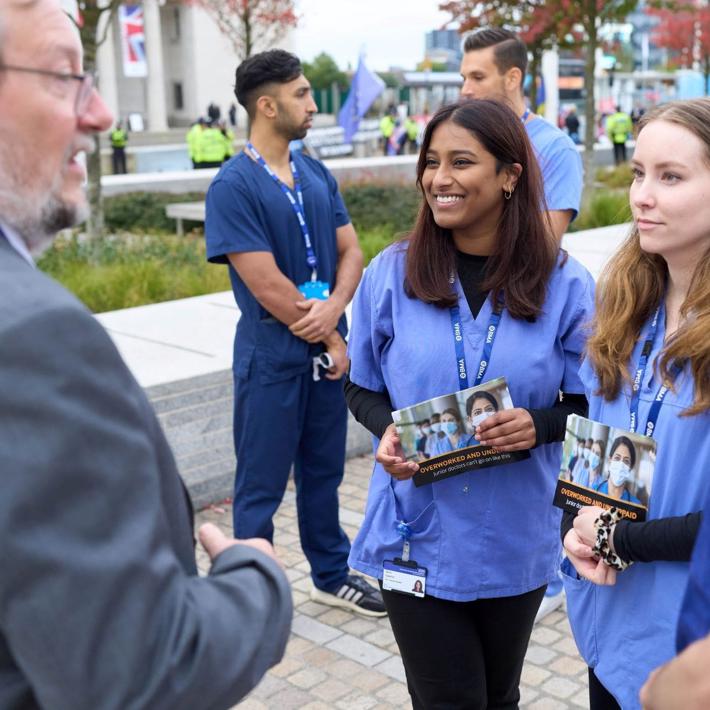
(100, 603)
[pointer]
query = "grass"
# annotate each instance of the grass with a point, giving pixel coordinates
(125, 271)
(373, 241)
(607, 207)
(616, 177)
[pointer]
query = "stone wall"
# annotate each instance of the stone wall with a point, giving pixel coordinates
(196, 415)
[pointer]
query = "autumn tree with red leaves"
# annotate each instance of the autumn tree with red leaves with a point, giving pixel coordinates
(540, 25)
(544, 24)
(251, 24)
(684, 31)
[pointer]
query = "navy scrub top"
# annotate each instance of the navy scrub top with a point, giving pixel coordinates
(248, 212)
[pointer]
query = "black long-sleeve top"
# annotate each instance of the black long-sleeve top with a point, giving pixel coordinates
(374, 409)
(665, 539)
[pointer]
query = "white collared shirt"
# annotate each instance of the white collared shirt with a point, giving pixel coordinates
(16, 242)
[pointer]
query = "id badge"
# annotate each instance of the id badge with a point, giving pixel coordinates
(404, 577)
(315, 289)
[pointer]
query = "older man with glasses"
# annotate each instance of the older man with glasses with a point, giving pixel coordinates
(100, 602)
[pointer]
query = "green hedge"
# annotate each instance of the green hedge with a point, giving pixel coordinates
(152, 264)
(375, 207)
(371, 206)
(144, 212)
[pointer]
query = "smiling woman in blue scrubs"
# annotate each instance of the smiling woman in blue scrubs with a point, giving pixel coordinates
(480, 256)
(651, 331)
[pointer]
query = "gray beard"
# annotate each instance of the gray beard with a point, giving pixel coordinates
(37, 220)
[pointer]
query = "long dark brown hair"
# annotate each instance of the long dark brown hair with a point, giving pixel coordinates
(633, 284)
(526, 252)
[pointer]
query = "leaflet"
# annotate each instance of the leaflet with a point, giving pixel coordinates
(605, 466)
(440, 433)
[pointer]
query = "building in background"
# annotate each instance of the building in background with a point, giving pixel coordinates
(163, 63)
(444, 47)
(646, 55)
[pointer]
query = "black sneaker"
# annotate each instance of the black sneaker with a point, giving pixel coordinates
(355, 594)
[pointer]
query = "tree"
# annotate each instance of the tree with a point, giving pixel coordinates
(548, 23)
(428, 65)
(94, 22)
(251, 24)
(323, 72)
(685, 31)
(540, 25)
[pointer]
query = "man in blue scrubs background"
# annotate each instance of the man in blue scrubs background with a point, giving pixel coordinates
(493, 67)
(278, 220)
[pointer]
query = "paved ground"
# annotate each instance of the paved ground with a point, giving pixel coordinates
(336, 659)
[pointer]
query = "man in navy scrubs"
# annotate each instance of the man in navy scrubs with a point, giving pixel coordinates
(278, 220)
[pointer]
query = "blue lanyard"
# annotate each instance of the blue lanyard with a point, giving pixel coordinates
(662, 391)
(525, 115)
(297, 205)
(641, 371)
(658, 400)
(491, 332)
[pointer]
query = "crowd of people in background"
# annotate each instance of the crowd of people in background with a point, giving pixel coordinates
(401, 136)
(210, 141)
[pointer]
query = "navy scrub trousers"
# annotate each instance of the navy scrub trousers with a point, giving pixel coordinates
(302, 422)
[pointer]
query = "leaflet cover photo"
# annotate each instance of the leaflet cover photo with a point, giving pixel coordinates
(440, 433)
(605, 466)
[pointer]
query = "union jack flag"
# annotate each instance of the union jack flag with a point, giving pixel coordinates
(130, 18)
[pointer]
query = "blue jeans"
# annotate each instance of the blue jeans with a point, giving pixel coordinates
(302, 423)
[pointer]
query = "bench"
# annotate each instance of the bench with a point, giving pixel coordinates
(193, 211)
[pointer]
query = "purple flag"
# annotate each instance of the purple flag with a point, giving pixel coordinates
(365, 88)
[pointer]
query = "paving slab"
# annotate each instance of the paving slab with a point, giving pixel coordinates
(336, 659)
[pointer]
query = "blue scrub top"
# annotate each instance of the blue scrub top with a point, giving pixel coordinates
(603, 487)
(626, 630)
(560, 164)
(443, 446)
(487, 533)
(248, 212)
(585, 474)
(694, 621)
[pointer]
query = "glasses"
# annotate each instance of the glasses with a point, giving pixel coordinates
(63, 83)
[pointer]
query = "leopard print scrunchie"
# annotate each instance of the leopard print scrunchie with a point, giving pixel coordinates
(603, 525)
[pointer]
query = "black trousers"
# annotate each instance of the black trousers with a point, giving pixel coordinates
(463, 655)
(619, 153)
(118, 158)
(599, 697)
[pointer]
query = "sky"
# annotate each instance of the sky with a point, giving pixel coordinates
(391, 31)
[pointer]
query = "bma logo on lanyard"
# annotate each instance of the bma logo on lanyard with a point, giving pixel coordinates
(637, 380)
(491, 335)
(457, 333)
(482, 368)
(462, 369)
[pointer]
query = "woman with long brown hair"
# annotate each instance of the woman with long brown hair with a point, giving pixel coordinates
(477, 291)
(648, 370)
